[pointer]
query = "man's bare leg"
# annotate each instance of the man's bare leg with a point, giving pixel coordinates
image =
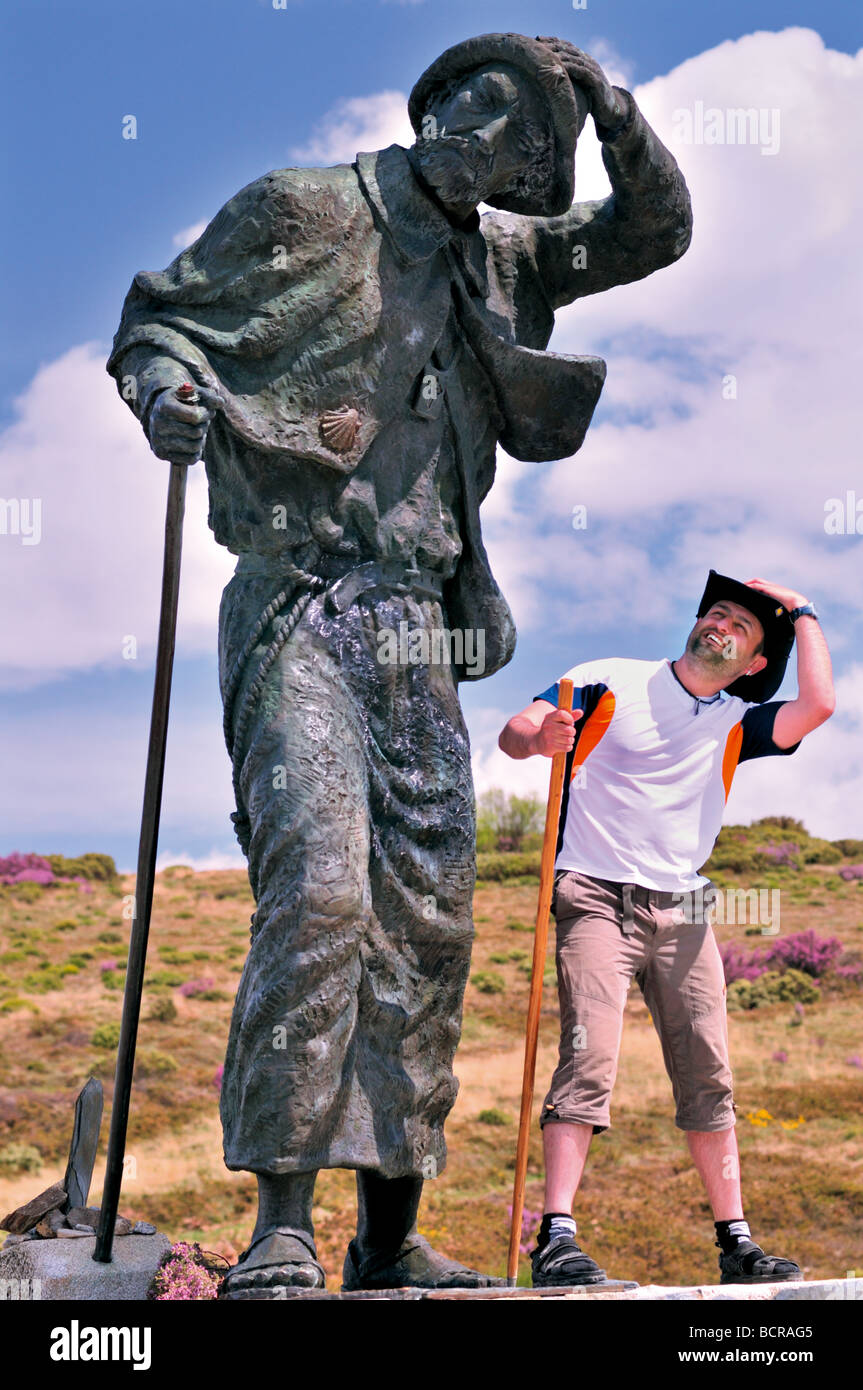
(565, 1147)
(717, 1160)
(558, 1260)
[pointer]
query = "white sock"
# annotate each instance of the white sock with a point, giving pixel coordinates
(561, 1226)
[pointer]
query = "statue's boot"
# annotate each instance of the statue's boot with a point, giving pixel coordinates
(278, 1258)
(416, 1265)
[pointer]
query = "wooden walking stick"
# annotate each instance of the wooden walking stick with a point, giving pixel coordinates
(147, 847)
(540, 942)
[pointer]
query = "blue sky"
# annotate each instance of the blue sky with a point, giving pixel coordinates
(674, 482)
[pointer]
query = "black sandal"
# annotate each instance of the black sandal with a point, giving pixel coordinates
(748, 1264)
(562, 1263)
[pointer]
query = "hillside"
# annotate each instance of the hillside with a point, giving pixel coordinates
(798, 1059)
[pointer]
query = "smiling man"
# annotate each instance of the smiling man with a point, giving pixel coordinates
(652, 747)
(361, 339)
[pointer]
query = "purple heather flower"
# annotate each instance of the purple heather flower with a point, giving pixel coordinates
(195, 987)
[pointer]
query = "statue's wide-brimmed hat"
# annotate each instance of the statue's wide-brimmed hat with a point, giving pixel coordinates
(778, 634)
(566, 105)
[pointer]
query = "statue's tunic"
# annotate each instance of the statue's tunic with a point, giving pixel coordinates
(360, 424)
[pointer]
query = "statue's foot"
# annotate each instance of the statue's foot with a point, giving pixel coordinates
(415, 1266)
(280, 1258)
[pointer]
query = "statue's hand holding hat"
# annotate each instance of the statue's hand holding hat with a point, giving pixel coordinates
(609, 106)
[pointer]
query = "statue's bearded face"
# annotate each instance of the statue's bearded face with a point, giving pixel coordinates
(483, 133)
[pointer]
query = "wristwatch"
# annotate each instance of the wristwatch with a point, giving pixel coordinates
(805, 608)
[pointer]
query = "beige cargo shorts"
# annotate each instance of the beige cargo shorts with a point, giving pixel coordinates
(607, 934)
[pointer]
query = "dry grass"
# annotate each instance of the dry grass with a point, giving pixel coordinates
(641, 1210)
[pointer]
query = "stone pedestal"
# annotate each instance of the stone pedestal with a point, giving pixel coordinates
(65, 1269)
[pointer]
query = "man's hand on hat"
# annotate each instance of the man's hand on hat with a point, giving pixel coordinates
(789, 598)
(608, 106)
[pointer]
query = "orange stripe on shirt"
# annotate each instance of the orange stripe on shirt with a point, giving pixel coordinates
(730, 758)
(593, 728)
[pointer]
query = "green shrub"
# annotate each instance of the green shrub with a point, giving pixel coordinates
(42, 980)
(791, 986)
(27, 892)
(10, 1006)
(109, 937)
(492, 1117)
(851, 849)
(153, 1063)
(162, 1010)
(795, 827)
(98, 867)
(820, 852)
(497, 867)
(20, 1158)
(735, 859)
(164, 979)
(106, 1035)
(489, 982)
(172, 955)
(796, 986)
(67, 924)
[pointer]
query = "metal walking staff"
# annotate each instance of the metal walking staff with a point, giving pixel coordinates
(147, 847)
(540, 942)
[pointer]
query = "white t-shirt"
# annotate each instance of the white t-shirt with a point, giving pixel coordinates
(647, 781)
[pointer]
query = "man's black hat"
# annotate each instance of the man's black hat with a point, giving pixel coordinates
(778, 634)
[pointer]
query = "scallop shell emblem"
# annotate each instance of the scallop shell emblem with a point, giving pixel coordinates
(339, 428)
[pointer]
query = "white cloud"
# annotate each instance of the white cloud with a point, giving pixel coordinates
(357, 123)
(617, 69)
(189, 234)
(202, 863)
(94, 578)
(676, 478)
